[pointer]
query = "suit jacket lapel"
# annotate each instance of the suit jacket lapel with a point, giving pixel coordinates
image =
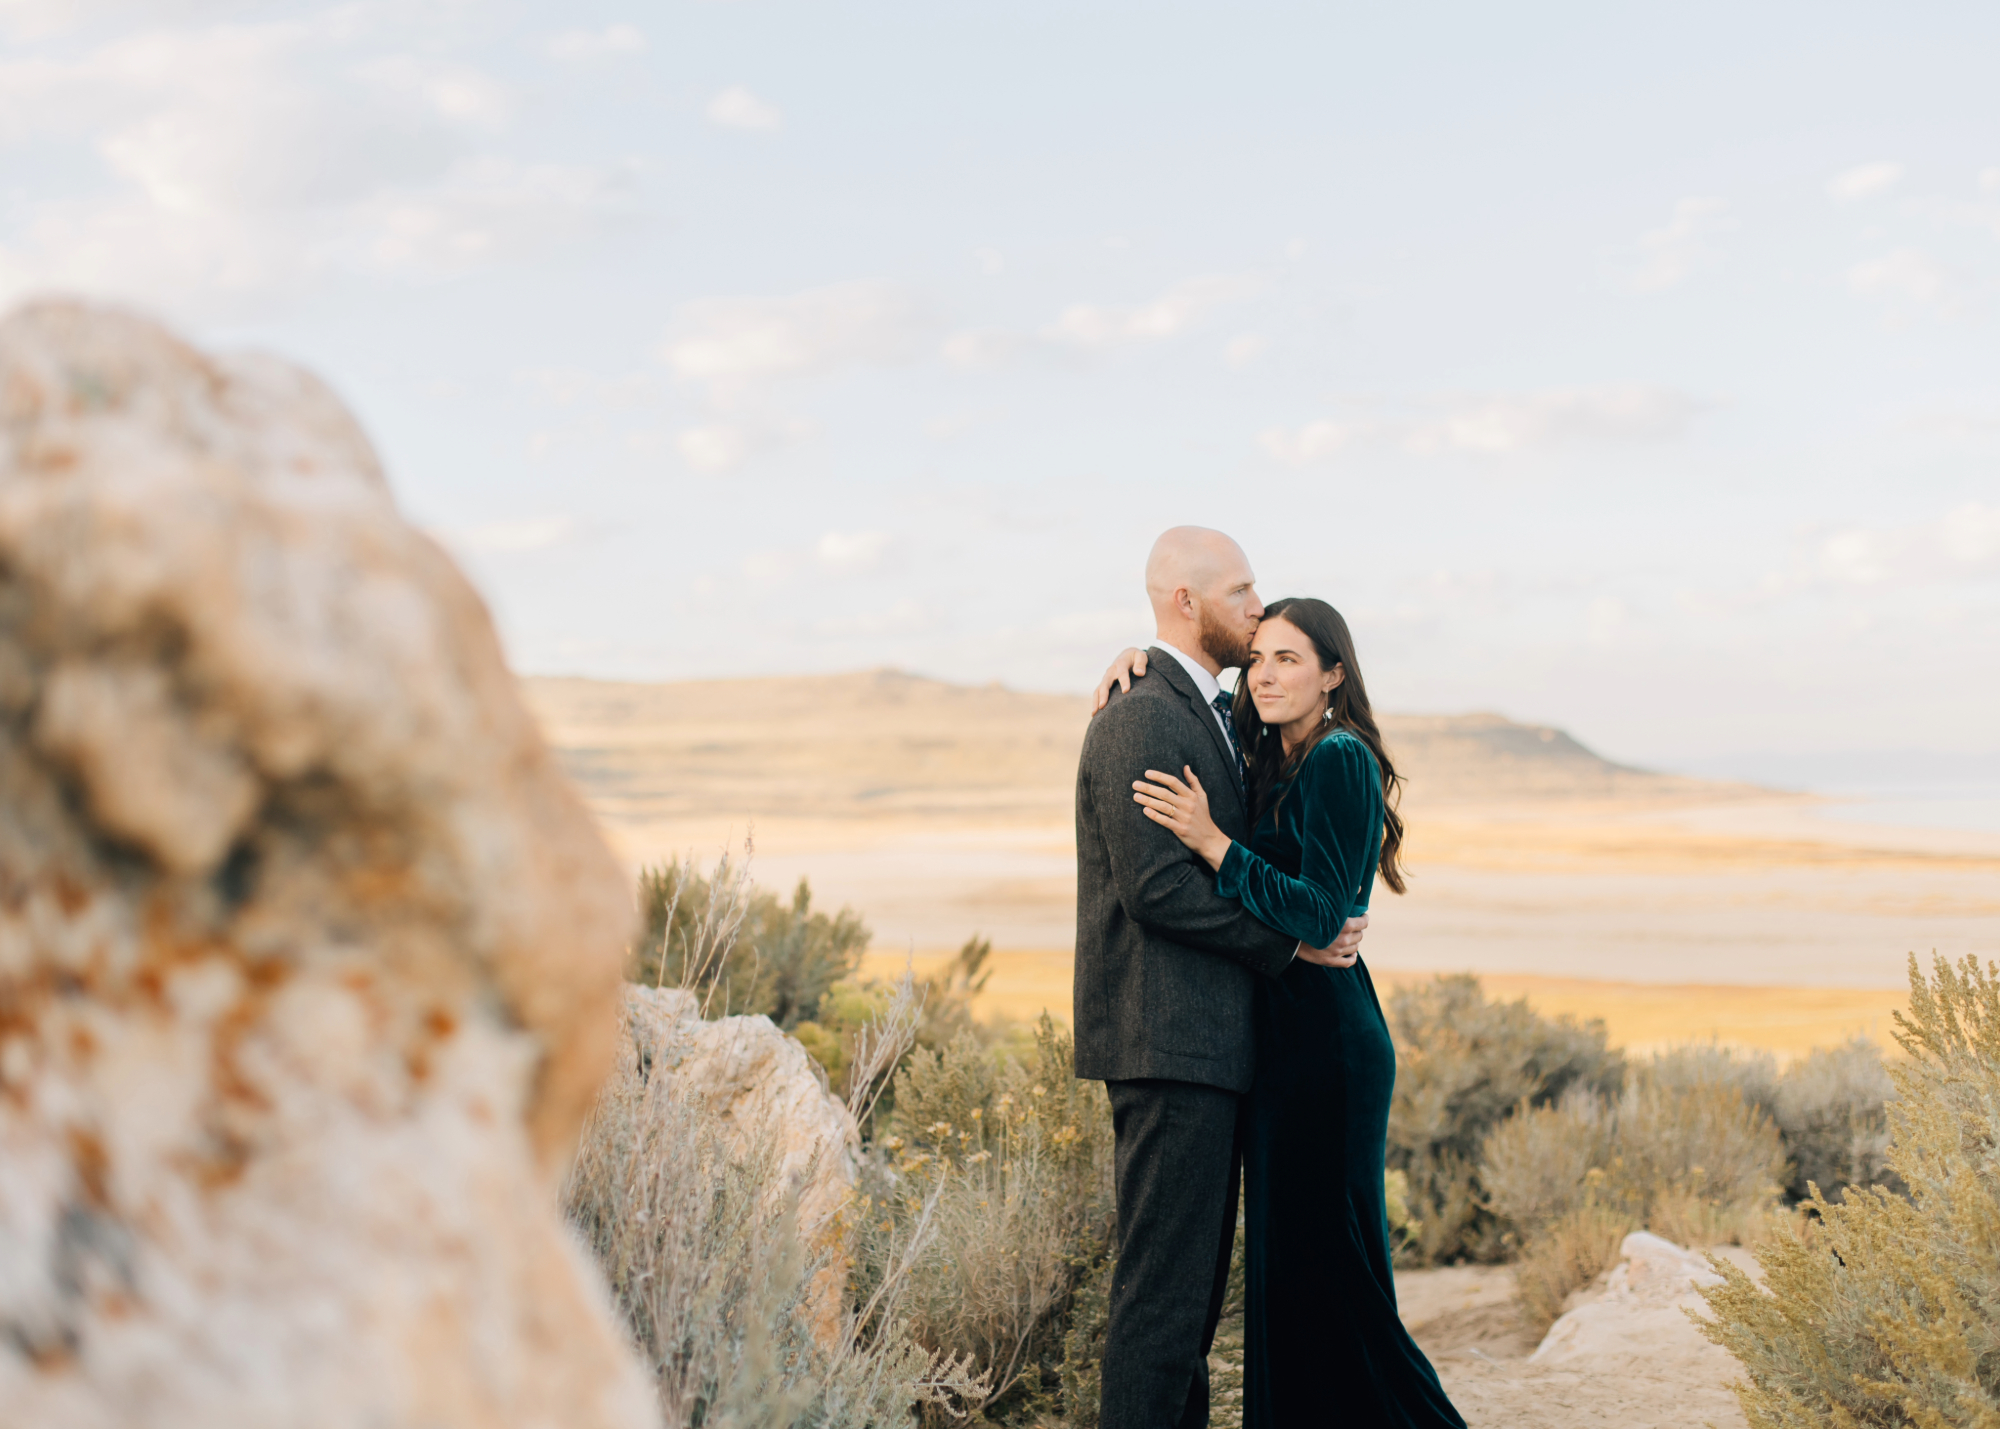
(1162, 662)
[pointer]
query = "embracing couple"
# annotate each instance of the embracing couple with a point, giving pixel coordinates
(1226, 851)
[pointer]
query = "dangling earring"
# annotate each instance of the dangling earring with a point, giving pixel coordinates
(1329, 708)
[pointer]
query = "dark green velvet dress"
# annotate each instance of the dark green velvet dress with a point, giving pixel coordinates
(1322, 1342)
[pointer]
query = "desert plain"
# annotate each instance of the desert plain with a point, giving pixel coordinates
(1673, 908)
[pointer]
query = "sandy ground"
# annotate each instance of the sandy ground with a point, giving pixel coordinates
(1466, 1320)
(1669, 907)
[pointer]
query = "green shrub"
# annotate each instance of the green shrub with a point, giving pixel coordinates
(1882, 1310)
(1464, 1063)
(1083, 1348)
(1833, 1107)
(740, 949)
(850, 1006)
(1010, 1161)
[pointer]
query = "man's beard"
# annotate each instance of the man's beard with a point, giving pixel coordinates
(1227, 648)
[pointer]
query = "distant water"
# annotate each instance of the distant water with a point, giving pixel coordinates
(1907, 788)
(1922, 806)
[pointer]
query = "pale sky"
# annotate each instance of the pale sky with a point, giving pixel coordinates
(1631, 370)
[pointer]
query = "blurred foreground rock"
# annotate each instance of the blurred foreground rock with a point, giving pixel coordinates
(764, 1092)
(308, 957)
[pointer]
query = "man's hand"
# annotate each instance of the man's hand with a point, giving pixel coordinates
(1130, 665)
(1346, 948)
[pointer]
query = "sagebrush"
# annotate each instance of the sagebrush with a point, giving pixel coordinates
(1013, 1156)
(1883, 1309)
(1684, 1156)
(1464, 1064)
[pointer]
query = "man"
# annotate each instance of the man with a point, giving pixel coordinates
(1164, 976)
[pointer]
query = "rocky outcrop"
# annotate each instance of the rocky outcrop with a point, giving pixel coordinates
(1642, 1309)
(767, 1096)
(308, 957)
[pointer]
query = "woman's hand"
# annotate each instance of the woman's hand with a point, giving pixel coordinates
(1183, 809)
(1127, 667)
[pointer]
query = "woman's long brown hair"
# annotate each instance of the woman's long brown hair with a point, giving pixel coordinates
(1348, 708)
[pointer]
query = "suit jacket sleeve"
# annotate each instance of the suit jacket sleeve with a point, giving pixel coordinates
(1159, 883)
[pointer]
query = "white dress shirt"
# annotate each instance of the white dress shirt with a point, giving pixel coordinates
(1209, 686)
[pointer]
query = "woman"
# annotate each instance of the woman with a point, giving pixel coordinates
(1323, 1343)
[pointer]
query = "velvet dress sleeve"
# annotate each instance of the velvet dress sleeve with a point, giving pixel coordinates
(1335, 805)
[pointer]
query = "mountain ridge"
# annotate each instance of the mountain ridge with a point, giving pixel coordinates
(885, 739)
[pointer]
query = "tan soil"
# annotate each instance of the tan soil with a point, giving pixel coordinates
(1467, 1321)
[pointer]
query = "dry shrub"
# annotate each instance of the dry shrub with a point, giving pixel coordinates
(1463, 1065)
(1693, 1064)
(1687, 1158)
(1014, 1160)
(1830, 1107)
(1885, 1310)
(1568, 1253)
(713, 1277)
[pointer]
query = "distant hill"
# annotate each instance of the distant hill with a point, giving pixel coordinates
(885, 742)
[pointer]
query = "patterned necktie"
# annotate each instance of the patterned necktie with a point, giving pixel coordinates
(1221, 703)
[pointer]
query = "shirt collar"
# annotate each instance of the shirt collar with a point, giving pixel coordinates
(1209, 686)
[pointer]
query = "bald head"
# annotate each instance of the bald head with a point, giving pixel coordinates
(1204, 595)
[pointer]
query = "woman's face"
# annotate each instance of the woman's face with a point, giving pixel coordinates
(1286, 680)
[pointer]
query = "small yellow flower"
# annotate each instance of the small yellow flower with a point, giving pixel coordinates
(975, 1113)
(1039, 1090)
(894, 1143)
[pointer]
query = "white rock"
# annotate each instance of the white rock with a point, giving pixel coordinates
(309, 959)
(1642, 1308)
(766, 1092)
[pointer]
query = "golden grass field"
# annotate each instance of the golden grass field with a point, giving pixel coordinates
(1672, 908)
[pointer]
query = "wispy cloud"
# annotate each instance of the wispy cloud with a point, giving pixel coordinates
(851, 552)
(797, 335)
(252, 161)
(1085, 328)
(737, 108)
(1496, 424)
(1667, 255)
(584, 46)
(1243, 349)
(1870, 180)
(727, 443)
(1964, 542)
(1909, 281)
(1090, 325)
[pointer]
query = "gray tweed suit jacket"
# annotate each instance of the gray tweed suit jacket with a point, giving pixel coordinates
(1164, 966)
